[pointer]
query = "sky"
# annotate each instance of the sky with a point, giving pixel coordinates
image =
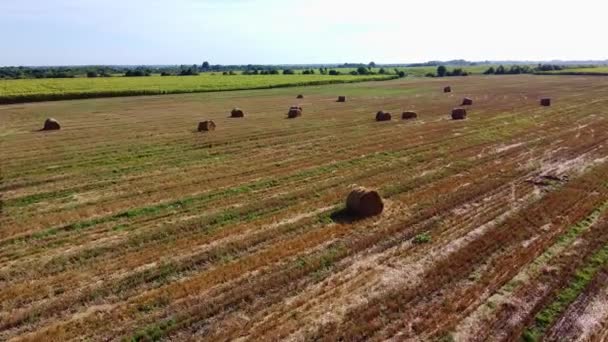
(138, 32)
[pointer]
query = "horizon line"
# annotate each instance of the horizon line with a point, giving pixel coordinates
(446, 62)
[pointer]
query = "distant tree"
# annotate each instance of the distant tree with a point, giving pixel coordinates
(91, 74)
(548, 67)
(441, 71)
(354, 72)
(334, 72)
(401, 73)
(457, 72)
(362, 71)
(189, 72)
(164, 73)
(372, 64)
(429, 74)
(500, 70)
(58, 74)
(137, 73)
(515, 70)
(490, 71)
(288, 72)
(382, 71)
(205, 66)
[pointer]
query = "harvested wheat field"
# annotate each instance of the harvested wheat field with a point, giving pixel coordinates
(129, 224)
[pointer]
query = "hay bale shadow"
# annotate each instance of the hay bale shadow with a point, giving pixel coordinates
(344, 216)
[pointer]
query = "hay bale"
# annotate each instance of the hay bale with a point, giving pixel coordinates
(363, 202)
(467, 101)
(237, 113)
(208, 125)
(294, 112)
(545, 101)
(300, 96)
(341, 98)
(459, 114)
(383, 116)
(409, 115)
(51, 124)
(447, 89)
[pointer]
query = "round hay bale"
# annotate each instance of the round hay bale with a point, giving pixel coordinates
(545, 101)
(341, 98)
(459, 114)
(51, 124)
(363, 202)
(237, 113)
(447, 89)
(383, 116)
(300, 96)
(467, 101)
(409, 115)
(294, 112)
(208, 125)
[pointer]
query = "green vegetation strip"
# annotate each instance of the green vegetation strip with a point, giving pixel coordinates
(35, 90)
(589, 71)
(582, 278)
(562, 242)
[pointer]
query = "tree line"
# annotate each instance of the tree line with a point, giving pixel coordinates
(442, 71)
(252, 69)
(56, 72)
(181, 70)
(521, 69)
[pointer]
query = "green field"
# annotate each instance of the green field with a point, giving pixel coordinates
(598, 70)
(51, 89)
(30, 90)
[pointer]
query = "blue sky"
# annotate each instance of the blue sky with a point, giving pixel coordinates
(82, 32)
